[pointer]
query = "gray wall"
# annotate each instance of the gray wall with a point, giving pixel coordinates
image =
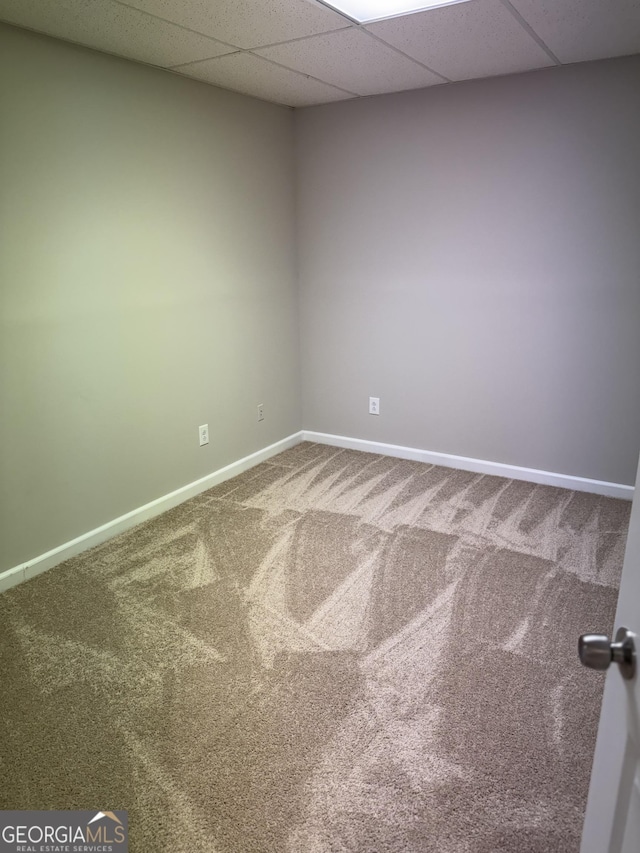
(468, 253)
(471, 255)
(146, 286)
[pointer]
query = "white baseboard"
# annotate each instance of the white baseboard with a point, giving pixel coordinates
(479, 466)
(18, 574)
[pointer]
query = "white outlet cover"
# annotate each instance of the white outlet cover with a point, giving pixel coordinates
(374, 405)
(203, 432)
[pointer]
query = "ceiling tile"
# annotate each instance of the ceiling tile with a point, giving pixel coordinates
(247, 23)
(578, 30)
(467, 40)
(251, 75)
(353, 60)
(108, 26)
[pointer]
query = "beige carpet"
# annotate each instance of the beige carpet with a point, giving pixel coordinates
(334, 652)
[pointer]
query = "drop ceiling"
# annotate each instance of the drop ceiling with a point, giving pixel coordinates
(301, 52)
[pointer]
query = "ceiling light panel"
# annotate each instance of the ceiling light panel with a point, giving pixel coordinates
(365, 11)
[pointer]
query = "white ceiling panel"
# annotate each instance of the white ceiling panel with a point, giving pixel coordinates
(109, 26)
(578, 30)
(475, 39)
(353, 60)
(247, 23)
(251, 75)
(303, 52)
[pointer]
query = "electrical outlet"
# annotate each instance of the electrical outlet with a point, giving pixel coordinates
(260, 411)
(374, 405)
(203, 431)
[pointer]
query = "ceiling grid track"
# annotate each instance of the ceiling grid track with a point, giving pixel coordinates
(283, 50)
(529, 29)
